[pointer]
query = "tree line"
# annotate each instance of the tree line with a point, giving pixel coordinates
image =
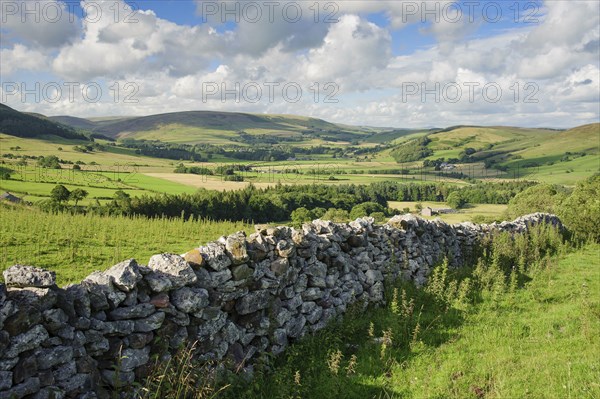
(277, 203)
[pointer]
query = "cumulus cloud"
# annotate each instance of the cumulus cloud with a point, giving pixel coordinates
(40, 23)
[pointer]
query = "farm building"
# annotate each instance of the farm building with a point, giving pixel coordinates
(10, 198)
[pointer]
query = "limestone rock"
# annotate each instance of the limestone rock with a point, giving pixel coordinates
(216, 256)
(236, 247)
(172, 267)
(194, 258)
(125, 274)
(252, 302)
(28, 276)
(26, 341)
(190, 300)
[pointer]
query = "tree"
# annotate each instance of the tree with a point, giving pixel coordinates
(455, 200)
(50, 161)
(77, 195)
(60, 194)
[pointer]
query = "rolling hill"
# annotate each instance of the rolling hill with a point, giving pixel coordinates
(194, 127)
(25, 125)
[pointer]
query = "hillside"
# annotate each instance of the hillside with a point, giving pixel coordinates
(19, 124)
(195, 127)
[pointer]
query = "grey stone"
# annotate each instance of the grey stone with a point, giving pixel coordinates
(23, 319)
(28, 276)
(50, 392)
(252, 302)
(219, 278)
(26, 341)
(189, 300)
(150, 323)
(376, 292)
(216, 256)
(5, 380)
(285, 249)
(231, 333)
(27, 367)
(77, 383)
(119, 327)
(54, 319)
(174, 267)
(373, 276)
(8, 364)
(65, 371)
(280, 266)
(158, 282)
(132, 358)
(312, 294)
(28, 387)
(125, 274)
(236, 247)
(280, 337)
(283, 316)
(132, 312)
(102, 292)
(118, 379)
(242, 272)
(294, 326)
(54, 356)
(315, 315)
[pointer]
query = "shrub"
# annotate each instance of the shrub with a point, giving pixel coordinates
(580, 212)
(541, 198)
(336, 215)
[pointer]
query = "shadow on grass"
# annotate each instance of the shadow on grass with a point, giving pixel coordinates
(310, 360)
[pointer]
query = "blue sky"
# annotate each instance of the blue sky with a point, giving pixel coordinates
(386, 63)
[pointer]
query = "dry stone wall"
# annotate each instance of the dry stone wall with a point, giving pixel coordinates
(236, 298)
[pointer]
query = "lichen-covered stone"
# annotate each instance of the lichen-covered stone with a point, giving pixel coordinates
(125, 274)
(236, 247)
(190, 300)
(216, 256)
(21, 276)
(26, 341)
(172, 267)
(252, 302)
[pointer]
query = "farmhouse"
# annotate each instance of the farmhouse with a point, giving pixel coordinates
(429, 211)
(10, 198)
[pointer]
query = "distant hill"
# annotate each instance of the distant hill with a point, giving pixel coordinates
(25, 125)
(502, 145)
(219, 128)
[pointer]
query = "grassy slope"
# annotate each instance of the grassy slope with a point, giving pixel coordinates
(516, 147)
(542, 341)
(197, 127)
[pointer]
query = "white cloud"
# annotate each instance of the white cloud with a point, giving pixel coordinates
(40, 23)
(21, 58)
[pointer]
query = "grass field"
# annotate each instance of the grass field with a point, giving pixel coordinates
(488, 211)
(74, 246)
(538, 341)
